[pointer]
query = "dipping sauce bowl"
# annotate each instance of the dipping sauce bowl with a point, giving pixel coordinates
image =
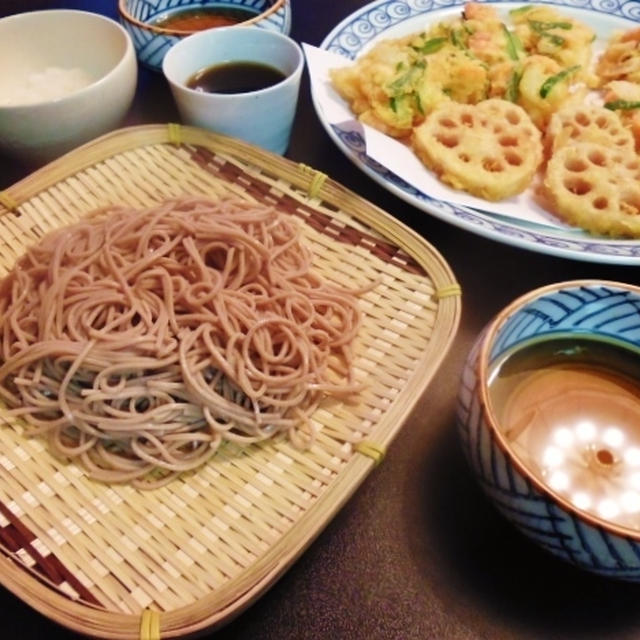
(263, 117)
(153, 30)
(549, 419)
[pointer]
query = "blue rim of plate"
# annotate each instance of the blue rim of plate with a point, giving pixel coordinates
(358, 29)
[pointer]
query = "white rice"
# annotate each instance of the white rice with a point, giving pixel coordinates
(41, 86)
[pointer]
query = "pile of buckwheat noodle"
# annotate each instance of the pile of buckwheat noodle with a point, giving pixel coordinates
(136, 341)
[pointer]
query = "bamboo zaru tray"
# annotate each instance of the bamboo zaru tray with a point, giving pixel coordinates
(115, 562)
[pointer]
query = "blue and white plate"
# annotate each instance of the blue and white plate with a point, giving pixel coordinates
(384, 19)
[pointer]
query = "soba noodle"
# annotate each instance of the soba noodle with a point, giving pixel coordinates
(136, 341)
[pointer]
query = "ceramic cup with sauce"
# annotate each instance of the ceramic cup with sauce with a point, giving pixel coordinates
(261, 114)
(549, 419)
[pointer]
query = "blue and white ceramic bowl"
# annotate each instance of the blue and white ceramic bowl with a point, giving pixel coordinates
(152, 41)
(607, 311)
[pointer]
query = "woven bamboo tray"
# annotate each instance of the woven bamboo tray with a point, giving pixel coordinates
(114, 562)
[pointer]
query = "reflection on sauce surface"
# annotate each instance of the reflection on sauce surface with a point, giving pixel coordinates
(204, 18)
(570, 411)
(235, 77)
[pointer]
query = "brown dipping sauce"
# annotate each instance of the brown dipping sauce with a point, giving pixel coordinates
(205, 18)
(569, 408)
(235, 77)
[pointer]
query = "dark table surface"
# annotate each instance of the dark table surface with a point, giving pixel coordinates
(417, 552)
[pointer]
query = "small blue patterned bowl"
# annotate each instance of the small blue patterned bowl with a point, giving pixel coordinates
(151, 41)
(550, 504)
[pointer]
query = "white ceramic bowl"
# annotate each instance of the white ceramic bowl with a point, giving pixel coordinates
(263, 117)
(152, 41)
(91, 55)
